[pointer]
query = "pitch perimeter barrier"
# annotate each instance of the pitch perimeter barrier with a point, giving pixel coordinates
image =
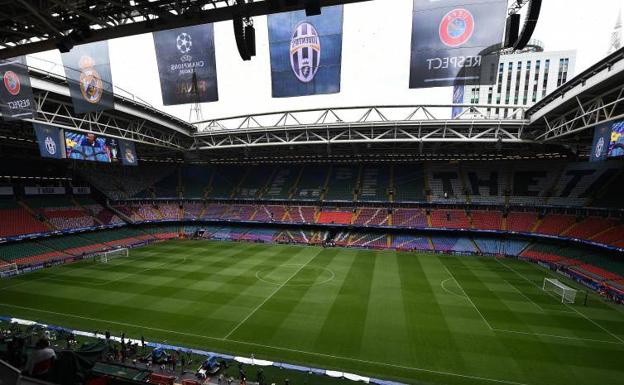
(246, 360)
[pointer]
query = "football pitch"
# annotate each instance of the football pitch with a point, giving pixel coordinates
(419, 318)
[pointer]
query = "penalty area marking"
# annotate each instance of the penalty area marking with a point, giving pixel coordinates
(568, 306)
(377, 363)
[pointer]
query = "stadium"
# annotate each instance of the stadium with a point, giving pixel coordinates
(335, 192)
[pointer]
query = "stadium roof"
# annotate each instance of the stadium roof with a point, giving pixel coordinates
(32, 26)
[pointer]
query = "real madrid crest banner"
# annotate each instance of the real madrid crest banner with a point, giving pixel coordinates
(50, 141)
(16, 97)
(453, 41)
(187, 64)
(306, 52)
(128, 153)
(88, 73)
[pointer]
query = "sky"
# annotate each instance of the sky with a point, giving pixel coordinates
(375, 62)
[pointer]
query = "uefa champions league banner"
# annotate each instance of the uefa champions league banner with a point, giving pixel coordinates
(306, 52)
(50, 141)
(127, 153)
(187, 64)
(88, 73)
(16, 97)
(451, 39)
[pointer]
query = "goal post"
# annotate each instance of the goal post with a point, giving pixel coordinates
(8, 270)
(109, 255)
(567, 294)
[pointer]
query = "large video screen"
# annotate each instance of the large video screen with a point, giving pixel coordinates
(90, 147)
(616, 145)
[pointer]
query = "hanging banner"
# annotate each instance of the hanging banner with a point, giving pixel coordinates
(50, 141)
(88, 73)
(602, 140)
(451, 41)
(128, 153)
(16, 97)
(458, 98)
(187, 65)
(306, 52)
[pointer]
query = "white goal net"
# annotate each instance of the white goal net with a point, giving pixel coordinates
(567, 294)
(8, 270)
(112, 254)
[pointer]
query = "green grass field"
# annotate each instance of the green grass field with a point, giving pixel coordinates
(411, 317)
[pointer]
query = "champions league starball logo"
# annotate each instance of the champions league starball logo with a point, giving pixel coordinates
(50, 145)
(184, 42)
(91, 85)
(12, 82)
(305, 52)
(456, 27)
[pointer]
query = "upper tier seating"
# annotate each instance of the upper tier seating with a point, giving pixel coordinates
(342, 183)
(409, 183)
(311, 183)
(282, 182)
(253, 183)
(486, 184)
(445, 183)
(195, 180)
(374, 184)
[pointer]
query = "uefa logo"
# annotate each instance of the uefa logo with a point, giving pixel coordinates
(184, 43)
(305, 52)
(456, 27)
(12, 82)
(50, 145)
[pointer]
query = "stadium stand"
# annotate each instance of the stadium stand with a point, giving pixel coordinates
(487, 219)
(374, 184)
(342, 183)
(455, 219)
(409, 183)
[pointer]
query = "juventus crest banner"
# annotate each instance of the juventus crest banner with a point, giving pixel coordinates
(306, 52)
(452, 40)
(16, 97)
(50, 140)
(187, 64)
(88, 73)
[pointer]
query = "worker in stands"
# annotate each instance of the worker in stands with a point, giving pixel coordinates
(40, 360)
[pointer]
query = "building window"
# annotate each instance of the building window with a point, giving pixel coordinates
(518, 71)
(501, 68)
(508, 86)
(545, 82)
(536, 80)
(527, 79)
(564, 70)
